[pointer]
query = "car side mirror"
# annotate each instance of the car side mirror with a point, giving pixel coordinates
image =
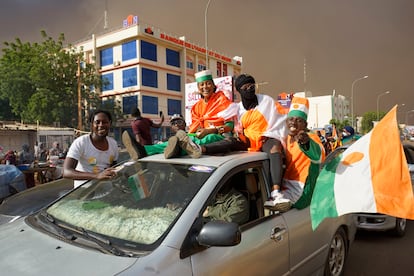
(219, 233)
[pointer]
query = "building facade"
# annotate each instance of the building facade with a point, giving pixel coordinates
(143, 67)
(324, 108)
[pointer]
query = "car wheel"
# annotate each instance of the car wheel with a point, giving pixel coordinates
(400, 226)
(337, 254)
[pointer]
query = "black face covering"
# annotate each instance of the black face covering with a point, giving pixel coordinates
(248, 97)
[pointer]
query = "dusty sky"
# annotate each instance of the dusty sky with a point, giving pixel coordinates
(341, 40)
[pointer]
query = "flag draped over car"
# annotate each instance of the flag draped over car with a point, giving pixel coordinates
(370, 176)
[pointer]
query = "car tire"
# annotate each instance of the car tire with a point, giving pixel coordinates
(400, 226)
(338, 249)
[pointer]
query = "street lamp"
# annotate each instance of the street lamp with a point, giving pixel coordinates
(399, 112)
(352, 98)
(205, 31)
(382, 94)
(78, 75)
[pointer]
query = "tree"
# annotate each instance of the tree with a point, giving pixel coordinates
(5, 113)
(40, 81)
(367, 122)
(340, 124)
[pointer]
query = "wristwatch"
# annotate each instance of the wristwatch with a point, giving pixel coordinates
(220, 130)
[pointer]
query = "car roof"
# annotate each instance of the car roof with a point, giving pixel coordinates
(210, 160)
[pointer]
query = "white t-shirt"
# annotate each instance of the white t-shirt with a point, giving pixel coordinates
(91, 159)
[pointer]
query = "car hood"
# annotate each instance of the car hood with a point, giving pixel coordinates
(33, 199)
(30, 252)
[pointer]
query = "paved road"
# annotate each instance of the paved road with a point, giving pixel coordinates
(376, 253)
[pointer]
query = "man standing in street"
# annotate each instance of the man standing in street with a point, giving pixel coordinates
(141, 127)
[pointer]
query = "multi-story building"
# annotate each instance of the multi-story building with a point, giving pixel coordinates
(143, 67)
(324, 108)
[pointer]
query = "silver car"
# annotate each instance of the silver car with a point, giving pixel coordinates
(148, 220)
(377, 221)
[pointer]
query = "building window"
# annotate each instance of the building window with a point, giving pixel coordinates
(107, 57)
(201, 67)
(129, 77)
(173, 82)
(108, 103)
(107, 82)
(92, 88)
(219, 69)
(129, 50)
(224, 69)
(149, 105)
(128, 103)
(148, 50)
(174, 107)
(190, 64)
(173, 57)
(149, 77)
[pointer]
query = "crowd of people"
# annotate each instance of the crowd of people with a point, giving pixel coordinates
(257, 123)
(32, 157)
(331, 139)
(218, 125)
(27, 155)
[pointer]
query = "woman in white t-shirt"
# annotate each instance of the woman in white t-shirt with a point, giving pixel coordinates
(91, 156)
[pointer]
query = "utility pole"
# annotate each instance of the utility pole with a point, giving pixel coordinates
(106, 15)
(304, 75)
(205, 31)
(79, 97)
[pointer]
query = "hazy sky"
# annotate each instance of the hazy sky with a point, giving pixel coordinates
(341, 40)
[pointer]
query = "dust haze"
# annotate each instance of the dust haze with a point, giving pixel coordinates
(339, 41)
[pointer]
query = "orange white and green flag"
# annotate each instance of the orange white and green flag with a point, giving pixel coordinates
(336, 140)
(370, 176)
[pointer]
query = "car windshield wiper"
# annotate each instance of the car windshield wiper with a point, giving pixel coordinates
(102, 242)
(60, 231)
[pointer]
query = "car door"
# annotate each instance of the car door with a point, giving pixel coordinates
(263, 250)
(308, 248)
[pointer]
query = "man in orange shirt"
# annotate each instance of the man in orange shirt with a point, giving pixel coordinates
(304, 154)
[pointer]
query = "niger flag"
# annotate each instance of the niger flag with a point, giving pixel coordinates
(370, 176)
(337, 141)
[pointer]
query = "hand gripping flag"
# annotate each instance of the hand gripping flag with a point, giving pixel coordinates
(370, 176)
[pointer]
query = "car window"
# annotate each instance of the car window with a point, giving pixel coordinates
(409, 153)
(238, 198)
(139, 205)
